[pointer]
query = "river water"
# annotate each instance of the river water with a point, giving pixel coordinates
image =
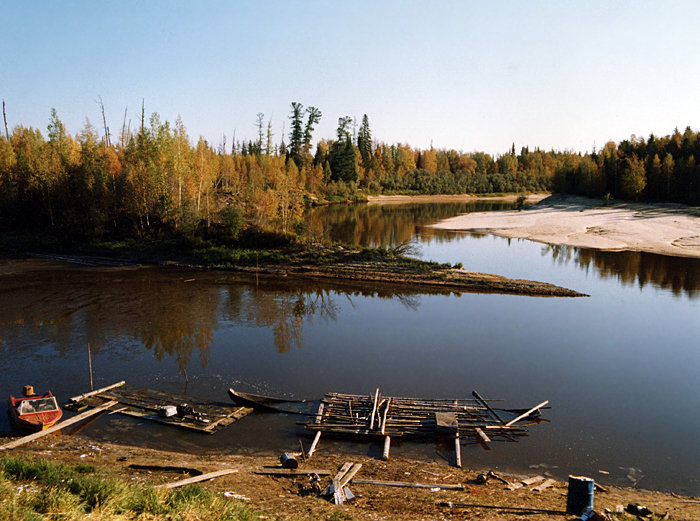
(619, 368)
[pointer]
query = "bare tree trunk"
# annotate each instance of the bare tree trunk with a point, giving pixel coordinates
(104, 122)
(4, 116)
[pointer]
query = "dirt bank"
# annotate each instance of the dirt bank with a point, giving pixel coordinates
(667, 229)
(280, 498)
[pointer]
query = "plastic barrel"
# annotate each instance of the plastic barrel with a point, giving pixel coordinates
(580, 494)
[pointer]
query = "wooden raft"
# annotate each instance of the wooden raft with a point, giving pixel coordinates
(471, 420)
(206, 416)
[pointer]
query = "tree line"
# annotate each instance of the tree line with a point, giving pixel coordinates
(155, 178)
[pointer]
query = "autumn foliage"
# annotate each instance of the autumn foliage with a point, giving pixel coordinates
(157, 179)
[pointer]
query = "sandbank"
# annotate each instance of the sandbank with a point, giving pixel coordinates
(666, 229)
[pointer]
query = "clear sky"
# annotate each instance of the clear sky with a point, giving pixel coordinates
(467, 75)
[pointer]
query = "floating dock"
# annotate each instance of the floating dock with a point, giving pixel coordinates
(172, 409)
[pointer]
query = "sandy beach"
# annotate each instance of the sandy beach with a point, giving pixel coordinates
(666, 229)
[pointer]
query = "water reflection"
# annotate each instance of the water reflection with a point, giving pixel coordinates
(173, 314)
(389, 225)
(678, 274)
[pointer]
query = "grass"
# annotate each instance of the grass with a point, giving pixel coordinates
(43, 490)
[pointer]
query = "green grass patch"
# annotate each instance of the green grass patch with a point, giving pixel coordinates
(40, 489)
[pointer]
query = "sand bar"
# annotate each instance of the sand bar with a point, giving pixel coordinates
(666, 229)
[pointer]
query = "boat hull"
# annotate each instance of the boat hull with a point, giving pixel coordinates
(34, 413)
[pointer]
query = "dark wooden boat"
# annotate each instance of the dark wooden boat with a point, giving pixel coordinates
(270, 403)
(35, 412)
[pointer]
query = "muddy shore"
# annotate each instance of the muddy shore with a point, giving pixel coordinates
(283, 497)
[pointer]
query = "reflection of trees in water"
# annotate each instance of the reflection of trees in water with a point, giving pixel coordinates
(389, 225)
(678, 274)
(172, 314)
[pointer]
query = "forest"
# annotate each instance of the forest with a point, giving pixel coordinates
(155, 180)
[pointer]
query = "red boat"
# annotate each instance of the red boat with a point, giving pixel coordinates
(34, 412)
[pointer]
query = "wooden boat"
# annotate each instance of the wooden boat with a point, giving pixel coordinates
(256, 400)
(33, 412)
(269, 403)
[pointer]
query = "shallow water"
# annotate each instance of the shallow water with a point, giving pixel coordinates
(619, 367)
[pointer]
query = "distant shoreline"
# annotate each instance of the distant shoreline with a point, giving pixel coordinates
(665, 229)
(453, 198)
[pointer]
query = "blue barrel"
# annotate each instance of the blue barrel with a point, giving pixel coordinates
(580, 494)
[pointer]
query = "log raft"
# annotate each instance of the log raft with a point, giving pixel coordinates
(464, 421)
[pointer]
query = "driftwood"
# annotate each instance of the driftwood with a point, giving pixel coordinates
(197, 479)
(292, 472)
(58, 426)
(408, 484)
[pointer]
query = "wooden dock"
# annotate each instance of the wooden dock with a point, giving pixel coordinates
(172, 409)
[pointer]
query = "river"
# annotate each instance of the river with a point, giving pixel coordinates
(619, 368)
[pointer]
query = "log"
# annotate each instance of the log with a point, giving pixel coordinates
(482, 438)
(387, 444)
(458, 452)
(312, 449)
(196, 479)
(407, 484)
(75, 419)
(488, 407)
(511, 422)
(292, 472)
(97, 391)
(386, 410)
(374, 409)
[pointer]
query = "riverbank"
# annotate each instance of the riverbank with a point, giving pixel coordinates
(330, 264)
(665, 229)
(275, 497)
(452, 198)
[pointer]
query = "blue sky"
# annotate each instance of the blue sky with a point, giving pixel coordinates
(473, 76)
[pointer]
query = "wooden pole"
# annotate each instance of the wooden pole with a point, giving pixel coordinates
(488, 407)
(90, 365)
(58, 426)
(387, 444)
(98, 391)
(312, 449)
(458, 452)
(511, 422)
(374, 409)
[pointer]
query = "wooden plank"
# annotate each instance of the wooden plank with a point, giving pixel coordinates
(97, 391)
(196, 479)
(545, 485)
(350, 474)
(312, 449)
(407, 484)
(511, 422)
(57, 427)
(525, 482)
(446, 422)
(346, 466)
